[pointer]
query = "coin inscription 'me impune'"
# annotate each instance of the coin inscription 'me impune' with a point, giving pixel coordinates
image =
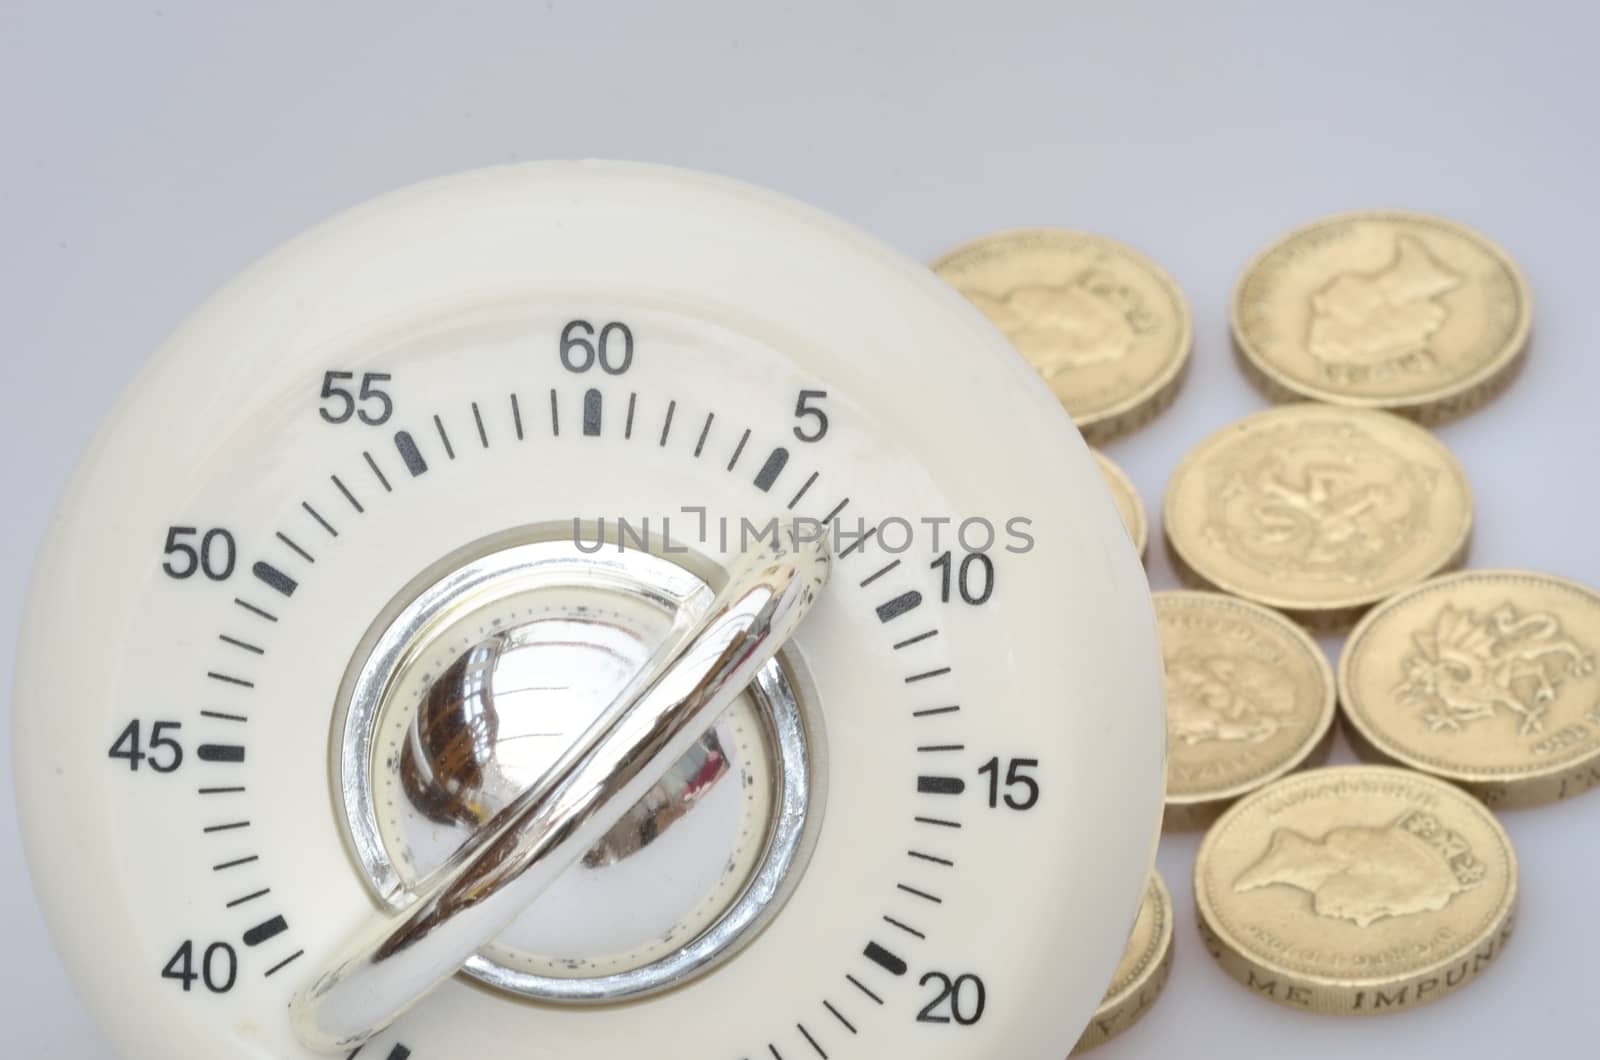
(1129, 505)
(1489, 678)
(1250, 697)
(1356, 890)
(1105, 326)
(1141, 974)
(1317, 510)
(1383, 309)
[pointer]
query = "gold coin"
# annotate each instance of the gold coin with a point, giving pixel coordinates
(1105, 326)
(1390, 310)
(1129, 506)
(1142, 972)
(1318, 511)
(1250, 697)
(1356, 890)
(1486, 678)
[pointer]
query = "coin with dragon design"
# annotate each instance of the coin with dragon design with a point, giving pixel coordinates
(1487, 678)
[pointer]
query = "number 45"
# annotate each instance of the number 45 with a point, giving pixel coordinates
(162, 754)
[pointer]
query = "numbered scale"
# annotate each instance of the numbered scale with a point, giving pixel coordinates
(588, 610)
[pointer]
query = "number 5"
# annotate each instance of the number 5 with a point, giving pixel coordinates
(804, 409)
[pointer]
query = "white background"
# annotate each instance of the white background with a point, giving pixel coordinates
(150, 151)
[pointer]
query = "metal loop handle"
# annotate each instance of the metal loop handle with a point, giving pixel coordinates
(396, 960)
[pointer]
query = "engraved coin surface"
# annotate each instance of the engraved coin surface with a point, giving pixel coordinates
(1129, 505)
(1250, 697)
(1391, 310)
(1487, 678)
(1105, 326)
(1317, 510)
(1142, 973)
(1356, 890)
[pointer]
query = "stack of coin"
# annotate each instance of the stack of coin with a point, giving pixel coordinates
(1344, 889)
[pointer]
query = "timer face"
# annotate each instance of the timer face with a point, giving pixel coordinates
(922, 831)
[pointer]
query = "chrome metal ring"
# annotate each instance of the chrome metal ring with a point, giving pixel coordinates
(793, 729)
(671, 702)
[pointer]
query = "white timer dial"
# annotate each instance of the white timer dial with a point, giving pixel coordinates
(588, 610)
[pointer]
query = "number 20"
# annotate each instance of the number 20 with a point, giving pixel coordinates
(959, 1000)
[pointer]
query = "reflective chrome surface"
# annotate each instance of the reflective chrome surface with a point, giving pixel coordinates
(464, 698)
(628, 777)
